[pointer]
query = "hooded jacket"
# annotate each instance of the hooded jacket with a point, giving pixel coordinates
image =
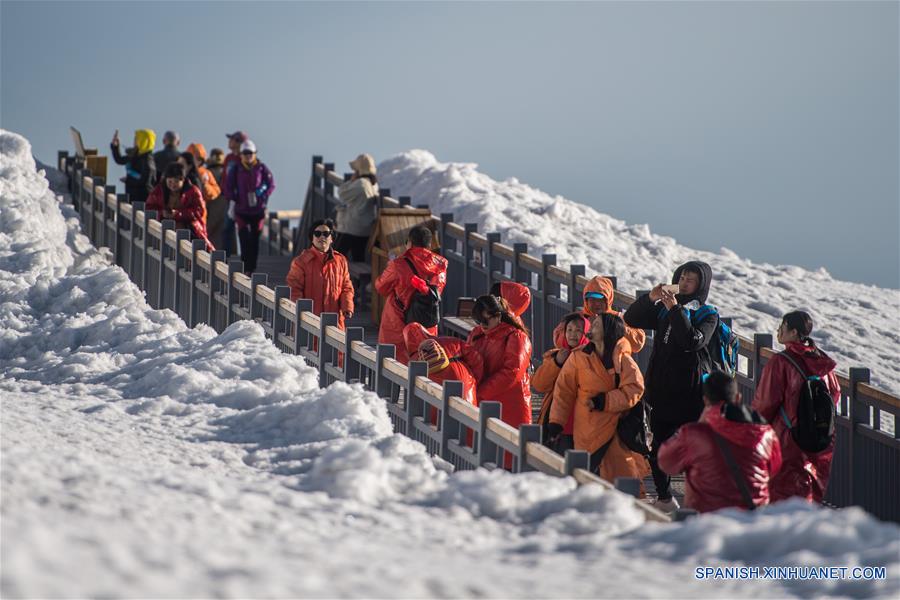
(584, 376)
(324, 278)
(506, 351)
(245, 181)
(603, 285)
(804, 475)
(518, 298)
(544, 379)
(140, 168)
(709, 482)
(679, 359)
(189, 212)
(396, 287)
(356, 207)
(209, 185)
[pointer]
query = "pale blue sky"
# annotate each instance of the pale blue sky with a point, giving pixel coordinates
(769, 128)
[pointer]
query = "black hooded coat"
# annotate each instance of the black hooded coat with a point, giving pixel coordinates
(674, 379)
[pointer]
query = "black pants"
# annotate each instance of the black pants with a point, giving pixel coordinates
(352, 246)
(249, 235)
(662, 430)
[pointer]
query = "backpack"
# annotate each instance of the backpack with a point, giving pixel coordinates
(722, 349)
(633, 429)
(424, 309)
(814, 430)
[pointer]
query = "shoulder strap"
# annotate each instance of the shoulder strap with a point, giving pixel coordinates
(703, 312)
(735, 471)
(791, 360)
(411, 266)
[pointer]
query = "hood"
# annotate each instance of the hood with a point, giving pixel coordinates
(736, 423)
(517, 295)
(560, 341)
(413, 335)
(816, 362)
(602, 285)
(145, 140)
(198, 150)
(705, 281)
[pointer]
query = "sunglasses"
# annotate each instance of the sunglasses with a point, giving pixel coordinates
(318, 233)
(248, 153)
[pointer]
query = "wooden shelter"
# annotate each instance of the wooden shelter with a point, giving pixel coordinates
(92, 160)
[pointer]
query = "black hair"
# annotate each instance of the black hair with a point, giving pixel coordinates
(613, 331)
(189, 159)
(174, 169)
(327, 222)
(495, 290)
(420, 236)
(491, 306)
(573, 317)
(799, 321)
(720, 387)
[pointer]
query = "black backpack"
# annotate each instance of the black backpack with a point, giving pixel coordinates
(814, 430)
(633, 429)
(424, 309)
(723, 346)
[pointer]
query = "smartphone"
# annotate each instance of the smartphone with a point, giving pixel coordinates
(672, 289)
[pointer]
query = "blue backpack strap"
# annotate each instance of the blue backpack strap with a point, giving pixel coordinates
(785, 417)
(701, 313)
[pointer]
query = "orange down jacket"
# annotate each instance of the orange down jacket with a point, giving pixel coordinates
(603, 285)
(323, 277)
(394, 284)
(584, 376)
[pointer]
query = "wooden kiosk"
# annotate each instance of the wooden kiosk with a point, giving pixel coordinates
(92, 160)
(388, 241)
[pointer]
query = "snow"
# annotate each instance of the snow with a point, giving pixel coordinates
(856, 324)
(141, 458)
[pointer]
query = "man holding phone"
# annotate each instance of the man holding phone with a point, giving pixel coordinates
(674, 379)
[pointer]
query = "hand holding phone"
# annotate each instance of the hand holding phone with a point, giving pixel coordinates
(671, 289)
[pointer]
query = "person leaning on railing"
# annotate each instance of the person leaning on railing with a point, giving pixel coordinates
(140, 168)
(357, 208)
(320, 273)
(177, 198)
(803, 474)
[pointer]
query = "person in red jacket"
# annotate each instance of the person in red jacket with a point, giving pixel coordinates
(776, 399)
(710, 483)
(177, 198)
(517, 296)
(505, 347)
(321, 274)
(398, 283)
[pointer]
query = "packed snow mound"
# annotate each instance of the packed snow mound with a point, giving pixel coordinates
(143, 458)
(855, 323)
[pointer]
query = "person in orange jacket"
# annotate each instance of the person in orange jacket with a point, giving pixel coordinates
(399, 282)
(517, 296)
(598, 299)
(599, 383)
(504, 345)
(321, 274)
(574, 335)
(448, 359)
(777, 399)
(216, 206)
(174, 197)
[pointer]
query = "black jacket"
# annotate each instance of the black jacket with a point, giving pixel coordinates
(673, 382)
(164, 157)
(140, 173)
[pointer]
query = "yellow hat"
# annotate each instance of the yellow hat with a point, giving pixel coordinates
(144, 140)
(434, 354)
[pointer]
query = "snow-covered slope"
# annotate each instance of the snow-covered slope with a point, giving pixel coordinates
(144, 459)
(859, 325)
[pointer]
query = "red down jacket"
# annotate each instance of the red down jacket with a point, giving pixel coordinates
(804, 475)
(465, 362)
(518, 298)
(395, 285)
(507, 356)
(189, 212)
(709, 483)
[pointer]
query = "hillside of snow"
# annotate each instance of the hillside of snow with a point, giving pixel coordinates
(141, 458)
(858, 325)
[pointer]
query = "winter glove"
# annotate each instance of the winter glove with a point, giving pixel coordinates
(418, 284)
(598, 402)
(554, 430)
(231, 205)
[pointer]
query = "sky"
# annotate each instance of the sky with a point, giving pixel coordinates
(768, 128)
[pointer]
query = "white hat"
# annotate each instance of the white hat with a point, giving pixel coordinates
(364, 164)
(248, 145)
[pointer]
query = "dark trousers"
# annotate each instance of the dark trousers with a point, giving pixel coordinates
(352, 246)
(662, 430)
(249, 235)
(228, 241)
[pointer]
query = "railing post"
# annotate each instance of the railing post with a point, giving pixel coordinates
(450, 429)
(492, 238)
(61, 156)
(467, 254)
(281, 292)
(149, 215)
(760, 341)
(96, 236)
(256, 280)
(415, 406)
(548, 289)
(216, 257)
(519, 274)
(352, 368)
(527, 433)
(859, 415)
(196, 247)
(404, 200)
(109, 190)
(576, 459)
(575, 299)
(132, 252)
(301, 336)
(628, 485)
(167, 224)
(234, 266)
(117, 247)
(382, 385)
(328, 192)
(325, 351)
(445, 218)
(177, 267)
(487, 450)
